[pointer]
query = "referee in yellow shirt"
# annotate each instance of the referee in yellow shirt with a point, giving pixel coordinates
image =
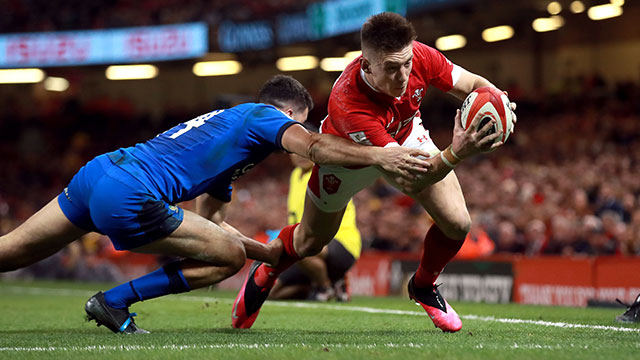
(320, 277)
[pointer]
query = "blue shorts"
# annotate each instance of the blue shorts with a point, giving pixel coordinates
(102, 197)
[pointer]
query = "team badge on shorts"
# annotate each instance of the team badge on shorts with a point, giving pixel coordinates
(331, 183)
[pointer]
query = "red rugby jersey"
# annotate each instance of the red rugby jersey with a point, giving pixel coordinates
(360, 113)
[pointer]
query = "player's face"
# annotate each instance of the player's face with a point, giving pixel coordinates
(389, 72)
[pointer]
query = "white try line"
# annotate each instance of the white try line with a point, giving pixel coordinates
(308, 305)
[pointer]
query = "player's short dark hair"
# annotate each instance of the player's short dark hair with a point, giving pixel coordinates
(387, 32)
(282, 91)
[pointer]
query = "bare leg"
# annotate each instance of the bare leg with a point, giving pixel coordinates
(213, 253)
(42, 235)
(445, 203)
(317, 228)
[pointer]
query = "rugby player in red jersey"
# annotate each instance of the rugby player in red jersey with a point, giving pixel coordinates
(376, 102)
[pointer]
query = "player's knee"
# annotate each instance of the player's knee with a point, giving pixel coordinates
(236, 258)
(458, 229)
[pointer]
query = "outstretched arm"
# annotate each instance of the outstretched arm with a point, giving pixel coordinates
(468, 82)
(327, 149)
(215, 210)
(465, 143)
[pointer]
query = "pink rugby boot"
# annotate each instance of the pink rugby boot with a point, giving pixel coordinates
(440, 312)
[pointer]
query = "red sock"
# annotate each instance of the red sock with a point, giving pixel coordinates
(288, 257)
(438, 251)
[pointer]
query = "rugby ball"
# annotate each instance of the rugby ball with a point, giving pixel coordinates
(492, 104)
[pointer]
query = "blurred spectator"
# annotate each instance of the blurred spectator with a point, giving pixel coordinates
(478, 243)
(508, 241)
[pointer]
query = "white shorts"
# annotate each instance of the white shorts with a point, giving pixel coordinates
(331, 187)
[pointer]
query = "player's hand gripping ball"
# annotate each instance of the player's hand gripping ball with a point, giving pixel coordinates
(493, 104)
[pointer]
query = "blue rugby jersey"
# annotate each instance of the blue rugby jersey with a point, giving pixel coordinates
(206, 153)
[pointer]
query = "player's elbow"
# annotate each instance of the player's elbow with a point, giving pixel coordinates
(313, 150)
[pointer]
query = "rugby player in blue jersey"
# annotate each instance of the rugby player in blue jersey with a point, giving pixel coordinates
(130, 196)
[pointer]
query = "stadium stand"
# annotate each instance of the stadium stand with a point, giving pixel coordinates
(564, 185)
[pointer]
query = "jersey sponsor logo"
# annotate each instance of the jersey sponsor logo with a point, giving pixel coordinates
(331, 183)
(418, 95)
(422, 139)
(241, 171)
(360, 137)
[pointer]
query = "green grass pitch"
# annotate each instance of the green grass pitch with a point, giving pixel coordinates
(46, 320)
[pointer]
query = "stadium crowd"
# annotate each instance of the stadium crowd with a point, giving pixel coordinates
(566, 182)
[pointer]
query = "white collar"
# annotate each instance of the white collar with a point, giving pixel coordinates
(371, 86)
(366, 82)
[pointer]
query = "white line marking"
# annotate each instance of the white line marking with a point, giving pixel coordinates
(328, 347)
(307, 305)
(549, 323)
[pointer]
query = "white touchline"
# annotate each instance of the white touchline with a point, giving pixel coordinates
(77, 292)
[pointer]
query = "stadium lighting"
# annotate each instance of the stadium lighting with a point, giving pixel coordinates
(554, 8)
(217, 68)
(131, 72)
(53, 83)
(548, 24)
(21, 76)
(558, 21)
(352, 54)
(339, 63)
(617, 2)
(295, 63)
(576, 7)
(606, 11)
(334, 63)
(451, 42)
(497, 33)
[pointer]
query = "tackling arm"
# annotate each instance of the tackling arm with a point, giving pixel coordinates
(324, 149)
(215, 210)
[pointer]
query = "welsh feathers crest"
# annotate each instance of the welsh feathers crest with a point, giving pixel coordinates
(418, 94)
